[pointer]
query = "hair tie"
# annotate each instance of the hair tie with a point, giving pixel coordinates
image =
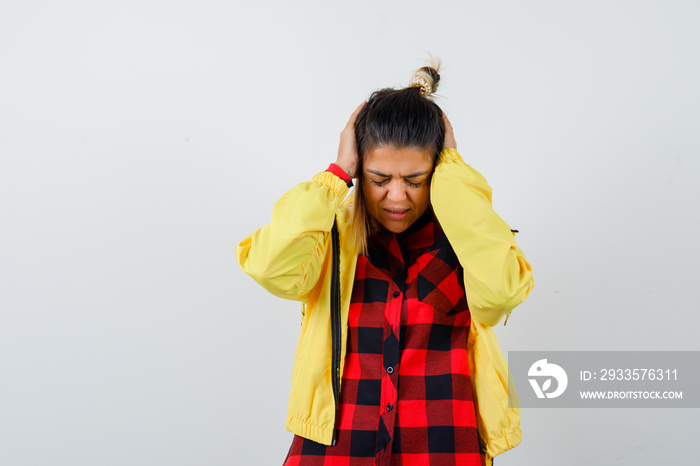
(424, 83)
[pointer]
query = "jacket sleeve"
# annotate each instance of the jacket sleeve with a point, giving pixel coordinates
(496, 275)
(286, 256)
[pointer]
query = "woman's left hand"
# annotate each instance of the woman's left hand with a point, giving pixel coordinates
(449, 133)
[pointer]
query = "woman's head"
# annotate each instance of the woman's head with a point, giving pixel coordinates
(403, 117)
(399, 134)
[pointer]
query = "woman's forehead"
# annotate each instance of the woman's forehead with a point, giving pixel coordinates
(402, 162)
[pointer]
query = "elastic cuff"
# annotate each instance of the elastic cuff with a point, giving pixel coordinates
(334, 182)
(450, 154)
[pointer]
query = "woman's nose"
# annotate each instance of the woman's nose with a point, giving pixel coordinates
(397, 192)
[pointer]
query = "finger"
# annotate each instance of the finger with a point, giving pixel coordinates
(353, 117)
(359, 107)
(449, 133)
(448, 125)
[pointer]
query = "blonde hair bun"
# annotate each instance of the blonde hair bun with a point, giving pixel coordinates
(427, 78)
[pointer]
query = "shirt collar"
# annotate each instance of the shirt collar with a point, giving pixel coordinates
(421, 234)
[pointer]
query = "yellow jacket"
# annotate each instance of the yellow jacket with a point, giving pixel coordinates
(290, 257)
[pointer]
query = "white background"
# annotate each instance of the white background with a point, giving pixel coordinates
(141, 140)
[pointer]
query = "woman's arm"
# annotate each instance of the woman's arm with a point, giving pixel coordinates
(286, 255)
(496, 274)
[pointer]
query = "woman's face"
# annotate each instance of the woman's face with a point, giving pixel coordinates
(396, 185)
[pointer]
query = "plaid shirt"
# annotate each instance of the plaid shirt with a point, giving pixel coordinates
(406, 396)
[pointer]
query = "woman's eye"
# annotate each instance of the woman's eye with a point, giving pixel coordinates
(379, 183)
(414, 185)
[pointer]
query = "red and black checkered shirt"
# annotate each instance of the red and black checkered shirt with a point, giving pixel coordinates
(406, 396)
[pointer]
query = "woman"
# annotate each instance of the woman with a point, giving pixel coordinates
(400, 284)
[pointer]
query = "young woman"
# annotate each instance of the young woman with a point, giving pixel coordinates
(400, 284)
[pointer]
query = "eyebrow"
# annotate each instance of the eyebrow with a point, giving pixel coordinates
(384, 175)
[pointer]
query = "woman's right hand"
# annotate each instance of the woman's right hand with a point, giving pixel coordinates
(348, 157)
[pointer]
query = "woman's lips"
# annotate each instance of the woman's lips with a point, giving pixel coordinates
(396, 214)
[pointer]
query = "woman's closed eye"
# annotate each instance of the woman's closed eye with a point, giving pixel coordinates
(380, 182)
(408, 182)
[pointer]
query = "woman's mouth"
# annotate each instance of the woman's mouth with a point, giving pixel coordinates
(396, 214)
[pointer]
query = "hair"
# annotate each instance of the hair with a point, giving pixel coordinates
(399, 118)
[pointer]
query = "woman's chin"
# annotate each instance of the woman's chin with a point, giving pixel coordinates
(396, 225)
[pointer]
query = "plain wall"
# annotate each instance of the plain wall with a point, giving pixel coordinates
(141, 140)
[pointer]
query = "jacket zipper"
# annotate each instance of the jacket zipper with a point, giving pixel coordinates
(335, 323)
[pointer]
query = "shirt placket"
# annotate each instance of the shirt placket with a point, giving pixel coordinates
(391, 348)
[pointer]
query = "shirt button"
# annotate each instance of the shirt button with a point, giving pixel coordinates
(389, 370)
(389, 407)
(396, 294)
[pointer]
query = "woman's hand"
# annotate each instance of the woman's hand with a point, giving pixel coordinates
(449, 133)
(347, 150)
